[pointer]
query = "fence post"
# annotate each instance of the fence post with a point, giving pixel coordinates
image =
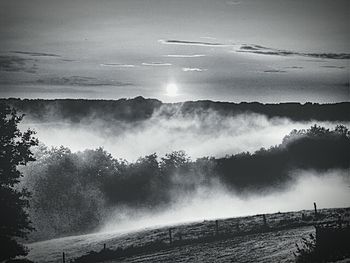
(315, 207)
(264, 218)
(170, 237)
(216, 227)
(339, 221)
(63, 257)
(104, 246)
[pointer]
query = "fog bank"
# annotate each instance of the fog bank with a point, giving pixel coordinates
(205, 134)
(328, 189)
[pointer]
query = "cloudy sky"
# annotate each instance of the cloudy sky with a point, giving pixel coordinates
(231, 50)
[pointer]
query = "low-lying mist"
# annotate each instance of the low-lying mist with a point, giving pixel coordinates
(329, 189)
(198, 134)
(131, 164)
(77, 192)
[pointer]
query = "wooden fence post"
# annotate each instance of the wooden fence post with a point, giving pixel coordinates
(315, 207)
(216, 227)
(63, 257)
(339, 221)
(170, 237)
(264, 218)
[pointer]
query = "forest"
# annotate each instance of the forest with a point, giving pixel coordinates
(75, 191)
(139, 108)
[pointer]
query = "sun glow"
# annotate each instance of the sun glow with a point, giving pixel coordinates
(171, 89)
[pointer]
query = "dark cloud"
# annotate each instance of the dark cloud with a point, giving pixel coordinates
(80, 81)
(68, 60)
(252, 47)
(327, 55)
(184, 56)
(190, 43)
(36, 54)
(257, 49)
(12, 88)
(17, 64)
(274, 71)
(294, 67)
(331, 66)
(260, 50)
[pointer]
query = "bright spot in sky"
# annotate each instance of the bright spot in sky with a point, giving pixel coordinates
(171, 89)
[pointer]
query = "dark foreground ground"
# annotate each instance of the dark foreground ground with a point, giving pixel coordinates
(251, 245)
(268, 247)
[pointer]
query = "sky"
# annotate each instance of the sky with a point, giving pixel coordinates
(227, 50)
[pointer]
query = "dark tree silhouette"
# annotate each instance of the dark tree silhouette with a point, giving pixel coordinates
(14, 150)
(140, 109)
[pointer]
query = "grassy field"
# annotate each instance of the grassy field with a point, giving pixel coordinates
(243, 239)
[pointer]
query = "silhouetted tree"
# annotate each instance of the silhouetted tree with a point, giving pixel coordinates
(14, 150)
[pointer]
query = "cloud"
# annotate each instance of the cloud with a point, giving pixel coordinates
(36, 54)
(261, 50)
(191, 43)
(331, 66)
(156, 64)
(79, 81)
(17, 64)
(294, 67)
(31, 87)
(68, 60)
(117, 65)
(274, 71)
(327, 55)
(257, 49)
(193, 69)
(185, 56)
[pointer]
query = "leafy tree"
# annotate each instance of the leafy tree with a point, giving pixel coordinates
(175, 161)
(14, 151)
(65, 186)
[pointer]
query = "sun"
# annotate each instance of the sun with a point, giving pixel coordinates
(171, 89)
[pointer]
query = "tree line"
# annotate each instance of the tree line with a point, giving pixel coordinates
(74, 190)
(139, 108)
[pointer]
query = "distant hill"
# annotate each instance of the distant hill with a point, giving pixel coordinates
(139, 108)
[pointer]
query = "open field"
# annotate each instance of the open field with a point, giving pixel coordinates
(244, 242)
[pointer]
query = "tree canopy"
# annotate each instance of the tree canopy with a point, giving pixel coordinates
(14, 151)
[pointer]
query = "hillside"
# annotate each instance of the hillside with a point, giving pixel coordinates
(243, 234)
(139, 108)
